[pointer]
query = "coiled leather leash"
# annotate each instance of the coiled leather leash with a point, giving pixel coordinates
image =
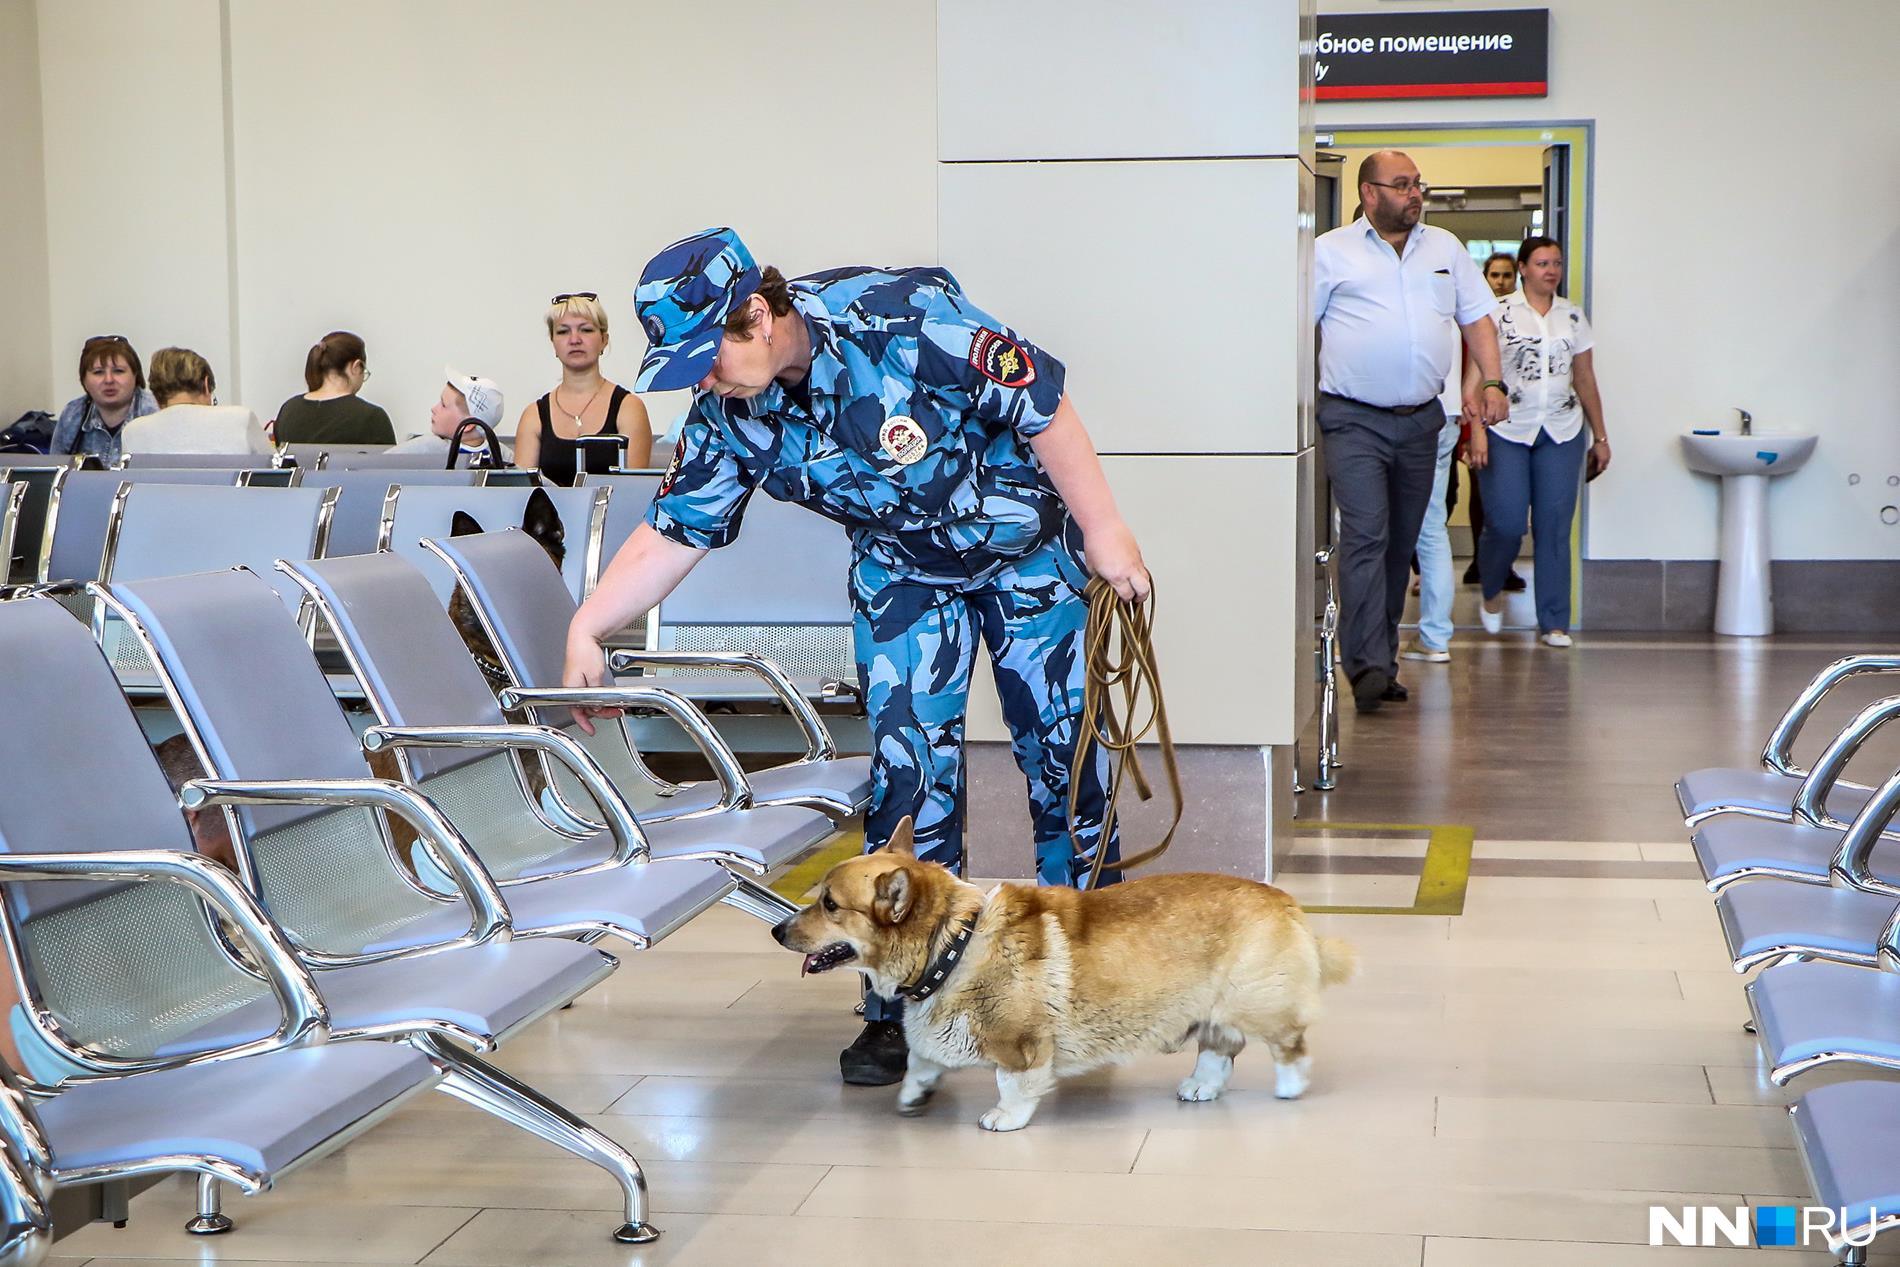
(1120, 680)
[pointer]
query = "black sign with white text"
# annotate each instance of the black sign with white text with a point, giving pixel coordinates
(1483, 53)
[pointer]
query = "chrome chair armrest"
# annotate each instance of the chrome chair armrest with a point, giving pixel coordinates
(1778, 754)
(306, 1019)
(1810, 799)
(630, 840)
(490, 920)
(736, 789)
(818, 741)
(1852, 859)
(43, 589)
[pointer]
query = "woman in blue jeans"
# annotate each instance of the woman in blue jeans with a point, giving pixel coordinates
(1528, 466)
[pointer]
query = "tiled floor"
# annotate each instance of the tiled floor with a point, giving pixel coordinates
(1516, 1084)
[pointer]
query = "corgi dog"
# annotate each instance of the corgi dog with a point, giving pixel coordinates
(1046, 983)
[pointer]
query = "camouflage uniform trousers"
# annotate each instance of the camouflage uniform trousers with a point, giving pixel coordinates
(916, 648)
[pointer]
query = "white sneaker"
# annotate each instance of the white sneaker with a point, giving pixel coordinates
(1555, 638)
(1493, 621)
(1422, 651)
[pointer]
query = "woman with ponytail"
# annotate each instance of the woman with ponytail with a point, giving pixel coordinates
(331, 412)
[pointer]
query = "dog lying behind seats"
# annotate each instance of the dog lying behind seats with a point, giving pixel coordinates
(1052, 982)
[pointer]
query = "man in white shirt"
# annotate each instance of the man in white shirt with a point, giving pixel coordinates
(1391, 298)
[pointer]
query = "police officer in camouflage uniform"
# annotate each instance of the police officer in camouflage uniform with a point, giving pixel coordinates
(943, 441)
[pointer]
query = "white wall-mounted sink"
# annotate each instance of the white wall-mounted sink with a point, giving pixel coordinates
(1744, 600)
(1731, 453)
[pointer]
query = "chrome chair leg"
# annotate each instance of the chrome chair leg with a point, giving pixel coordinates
(211, 1219)
(758, 901)
(475, 1081)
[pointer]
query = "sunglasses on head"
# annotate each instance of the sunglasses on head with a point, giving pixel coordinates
(108, 338)
(588, 295)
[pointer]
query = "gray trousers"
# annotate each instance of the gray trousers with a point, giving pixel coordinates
(1381, 466)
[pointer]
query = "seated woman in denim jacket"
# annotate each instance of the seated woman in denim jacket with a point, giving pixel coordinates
(114, 384)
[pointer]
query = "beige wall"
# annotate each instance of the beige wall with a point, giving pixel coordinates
(1738, 142)
(428, 174)
(136, 233)
(24, 380)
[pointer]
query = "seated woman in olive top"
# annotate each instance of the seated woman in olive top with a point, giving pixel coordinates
(585, 404)
(331, 412)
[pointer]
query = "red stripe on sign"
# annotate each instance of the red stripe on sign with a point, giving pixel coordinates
(1366, 92)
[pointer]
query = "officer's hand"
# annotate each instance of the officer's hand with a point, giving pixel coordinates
(1112, 554)
(586, 667)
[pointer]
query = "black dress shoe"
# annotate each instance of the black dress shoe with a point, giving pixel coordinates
(878, 1056)
(1370, 687)
(1471, 575)
(1514, 584)
(1396, 693)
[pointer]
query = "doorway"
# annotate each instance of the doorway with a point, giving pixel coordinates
(1492, 186)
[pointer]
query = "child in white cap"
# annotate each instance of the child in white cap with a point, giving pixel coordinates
(465, 398)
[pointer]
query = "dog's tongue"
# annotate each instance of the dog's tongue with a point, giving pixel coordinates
(805, 967)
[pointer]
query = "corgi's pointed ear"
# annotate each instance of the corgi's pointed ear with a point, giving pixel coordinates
(895, 894)
(903, 840)
(464, 524)
(540, 520)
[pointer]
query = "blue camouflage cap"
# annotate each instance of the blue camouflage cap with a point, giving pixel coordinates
(685, 294)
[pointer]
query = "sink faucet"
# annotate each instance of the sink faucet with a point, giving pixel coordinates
(1748, 422)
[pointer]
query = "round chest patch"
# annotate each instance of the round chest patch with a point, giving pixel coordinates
(903, 440)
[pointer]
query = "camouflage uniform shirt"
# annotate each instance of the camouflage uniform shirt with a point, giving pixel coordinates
(912, 430)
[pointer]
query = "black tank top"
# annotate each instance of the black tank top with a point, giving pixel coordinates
(556, 458)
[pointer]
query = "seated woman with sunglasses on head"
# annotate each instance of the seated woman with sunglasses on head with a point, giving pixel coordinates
(548, 437)
(113, 383)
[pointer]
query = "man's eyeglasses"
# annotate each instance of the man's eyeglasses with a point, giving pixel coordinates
(588, 295)
(1403, 186)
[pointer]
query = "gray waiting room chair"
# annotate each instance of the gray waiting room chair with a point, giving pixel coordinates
(778, 593)
(421, 681)
(1811, 846)
(29, 527)
(12, 497)
(1848, 1135)
(412, 515)
(361, 494)
(204, 461)
(256, 705)
(118, 975)
(525, 613)
(627, 509)
(1770, 790)
(165, 530)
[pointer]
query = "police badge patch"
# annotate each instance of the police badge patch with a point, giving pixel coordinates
(672, 469)
(902, 440)
(1000, 359)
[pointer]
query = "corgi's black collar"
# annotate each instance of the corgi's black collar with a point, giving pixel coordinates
(942, 966)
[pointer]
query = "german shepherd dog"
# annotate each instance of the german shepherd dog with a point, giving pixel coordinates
(542, 522)
(1044, 983)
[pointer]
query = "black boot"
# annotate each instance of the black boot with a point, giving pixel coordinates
(878, 1057)
(1369, 689)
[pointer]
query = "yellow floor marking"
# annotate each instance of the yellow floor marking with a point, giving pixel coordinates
(797, 883)
(1442, 877)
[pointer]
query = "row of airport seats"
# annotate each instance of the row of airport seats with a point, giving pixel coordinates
(407, 895)
(779, 591)
(1805, 866)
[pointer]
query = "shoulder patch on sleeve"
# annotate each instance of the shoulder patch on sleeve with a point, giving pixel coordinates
(1000, 359)
(672, 469)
